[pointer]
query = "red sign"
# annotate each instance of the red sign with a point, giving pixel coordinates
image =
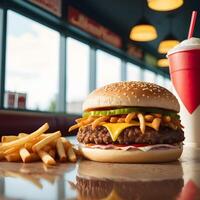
(135, 51)
(10, 99)
(53, 6)
(21, 100)
(89, 25)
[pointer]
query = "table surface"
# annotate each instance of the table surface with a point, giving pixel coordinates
(178, 180)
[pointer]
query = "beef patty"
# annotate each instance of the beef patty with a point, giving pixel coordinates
(130, 135)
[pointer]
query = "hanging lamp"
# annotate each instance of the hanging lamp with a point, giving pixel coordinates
(163, 62)
(143, 31)
(170, 40)
(164, 5)
(167, 43)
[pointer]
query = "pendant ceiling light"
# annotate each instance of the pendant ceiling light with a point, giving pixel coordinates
(168, 43)
(143, 32)
(163, 62)
(164, 5)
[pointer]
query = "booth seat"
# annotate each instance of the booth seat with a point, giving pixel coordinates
(13, 122)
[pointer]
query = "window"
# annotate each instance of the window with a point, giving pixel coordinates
(108, 68)
(160, 80)
(32, 62)
(168, 84)
(133, 73)
(77, 74)
(149, 76)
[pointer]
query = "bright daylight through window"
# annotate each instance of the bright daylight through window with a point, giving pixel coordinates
(108, 68)
(77, 74)
(32, 62)
(149, 76)
(133, 73)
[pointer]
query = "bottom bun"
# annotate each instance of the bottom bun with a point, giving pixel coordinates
(132, 156)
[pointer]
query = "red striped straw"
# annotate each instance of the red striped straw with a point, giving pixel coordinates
(192, 24)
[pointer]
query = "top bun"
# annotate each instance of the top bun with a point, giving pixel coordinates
(131, 94)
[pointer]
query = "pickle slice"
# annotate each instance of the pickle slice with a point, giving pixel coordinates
(122, 111)
(119, 111)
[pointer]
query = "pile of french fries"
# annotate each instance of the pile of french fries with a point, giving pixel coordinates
(37, 146)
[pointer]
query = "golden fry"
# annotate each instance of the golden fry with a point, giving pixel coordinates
(61, 150)
(14, 157)
(25, 155)
(149, 118)
(34, 157)
(113, 119)
(74, 127)
(98, 120)
(66, 145)
(130, 117)
(38, 146)
(1, 156)
(21, 135)
(156, 123)
(71, 155)
(20, 142)
(46, 158)
(11, 150)
(142, 122)
(88, 120)
(28, 146)
(80, 119)
(8, 138)
(121, 120)
(52, 153)
(65, 141)
(42, 146)
(47, 148)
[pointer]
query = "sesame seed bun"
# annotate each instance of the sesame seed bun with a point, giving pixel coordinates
(132, 156)
(131, 94)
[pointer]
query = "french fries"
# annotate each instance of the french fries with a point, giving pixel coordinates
(98, 120)
(8, 138)
(25, 155)
(71, 155)
(52, 153)
(34, 157)
(14, 157)
(11, 150)
(46, 141)
(46, 158)
(142, 122)
(20, 142)
(61, 150)
(37, 146)
(130, 117)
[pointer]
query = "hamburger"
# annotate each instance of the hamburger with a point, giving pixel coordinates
(106, 181)
(134, 122)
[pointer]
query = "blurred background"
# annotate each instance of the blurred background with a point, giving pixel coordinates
(53, 53)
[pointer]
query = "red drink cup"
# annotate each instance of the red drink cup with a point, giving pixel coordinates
(185, 76)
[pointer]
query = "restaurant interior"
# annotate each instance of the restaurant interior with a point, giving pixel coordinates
(53, 53)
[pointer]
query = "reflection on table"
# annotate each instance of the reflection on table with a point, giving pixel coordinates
(35, 181)
(104, 181)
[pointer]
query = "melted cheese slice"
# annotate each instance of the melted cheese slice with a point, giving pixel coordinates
(116, 128)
